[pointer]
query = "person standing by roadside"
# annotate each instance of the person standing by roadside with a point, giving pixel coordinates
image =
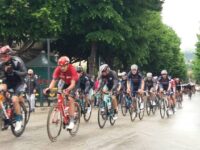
(31, 88)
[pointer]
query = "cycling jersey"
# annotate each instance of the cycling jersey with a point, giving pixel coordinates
(178, 86)
(84, 83)
(68, 76)
(135, 81)
(164, 83)
(15, 74)
(110, 80)
(148, 84)
(123, 84)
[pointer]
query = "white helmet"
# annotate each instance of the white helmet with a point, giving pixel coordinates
(103, 68)
(30, 71)
(164, 72)
(123, 74)
(155, 77)
(149, 75)
(134, 67)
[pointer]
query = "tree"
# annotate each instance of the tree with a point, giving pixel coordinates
(23, 20)
(196, 62)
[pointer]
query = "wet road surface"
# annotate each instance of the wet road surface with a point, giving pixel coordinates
(179, 132)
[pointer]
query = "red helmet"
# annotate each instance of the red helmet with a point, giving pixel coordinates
(5, 52)
(64, 60)
(5, 49)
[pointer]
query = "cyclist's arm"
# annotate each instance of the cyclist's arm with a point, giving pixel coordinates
(22, 72)
(115, 84)
(74, 80)
(120, 86)
(87, 86)
(169, 86)
(101, 84)
(56, 75)
(142, 84)
(72, 85)
(53, 83)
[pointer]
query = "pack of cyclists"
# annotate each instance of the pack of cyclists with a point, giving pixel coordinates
(69, 80)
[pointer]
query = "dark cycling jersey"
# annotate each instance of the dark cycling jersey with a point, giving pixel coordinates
(15, 74)
(164, 83)
(178, 86)
(135, 81)
(148, 84)
(111, 81)
(84, 83)
(123, 84)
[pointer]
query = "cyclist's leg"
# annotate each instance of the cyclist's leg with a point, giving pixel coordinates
(173, 99)
(114, 102)
(71, 106)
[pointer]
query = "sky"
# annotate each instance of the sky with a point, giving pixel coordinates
(184, 17)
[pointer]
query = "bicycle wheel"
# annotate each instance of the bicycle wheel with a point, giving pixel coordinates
(148, 107)
(162, 108)
(87, 114)
(102, 114)
(1, 120)
(133, 110)
(28, 109)
(54, 120)
(13, 122)
(112, 121)
(154, 108)
(141, 113)
(167, 108)
(123, 106)
(77, 119)
(179, 101)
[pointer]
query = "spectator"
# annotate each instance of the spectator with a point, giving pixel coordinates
(31, 87)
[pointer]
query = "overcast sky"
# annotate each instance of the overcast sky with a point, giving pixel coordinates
(184, 17)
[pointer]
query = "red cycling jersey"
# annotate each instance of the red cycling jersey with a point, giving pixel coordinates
(68, 76)
(173, 83)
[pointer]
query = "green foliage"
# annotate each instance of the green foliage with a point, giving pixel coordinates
(124, 31)
(28, 19)
(196, 62)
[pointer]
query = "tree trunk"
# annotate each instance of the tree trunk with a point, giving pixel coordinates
(92, 59)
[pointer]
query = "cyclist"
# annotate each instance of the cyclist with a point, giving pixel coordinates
(14, 71)
(165, 85)
(178, 88)
(84, 84)
(173, 89)
(108, 79)
(135, 83)
(189, 90)
(67, 76)
(123, 82)
(149, 85)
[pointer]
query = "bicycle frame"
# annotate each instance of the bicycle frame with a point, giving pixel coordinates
(62, 106)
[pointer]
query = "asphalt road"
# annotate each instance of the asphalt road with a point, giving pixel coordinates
(179, 132)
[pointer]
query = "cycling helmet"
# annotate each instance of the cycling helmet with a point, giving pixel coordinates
(103, 67)
(64, 60)
(5, 49)
(123, 74)
(134, 67)
(5, 53)
(149, 75)
(164, 72)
